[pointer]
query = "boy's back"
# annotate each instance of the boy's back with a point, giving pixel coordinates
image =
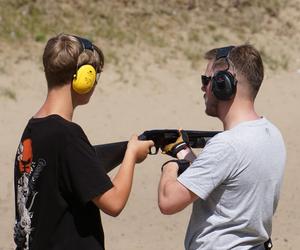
(57, 173)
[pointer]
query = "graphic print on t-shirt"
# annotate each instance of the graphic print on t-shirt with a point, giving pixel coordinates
(29, 172)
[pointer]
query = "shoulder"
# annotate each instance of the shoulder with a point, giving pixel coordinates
(243, 133)
(57, 127)
(224, 139)
(225, 146)
(68, 127)
(72, 132)
(249, 136)
(272, 126)
(219, 149)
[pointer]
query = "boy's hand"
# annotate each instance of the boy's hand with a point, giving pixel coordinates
(139, 149)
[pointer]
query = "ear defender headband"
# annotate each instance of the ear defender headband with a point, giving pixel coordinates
(85, 77)
(223, 82)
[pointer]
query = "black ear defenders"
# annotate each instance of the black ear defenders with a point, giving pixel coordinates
(223, 82)
(85, 76)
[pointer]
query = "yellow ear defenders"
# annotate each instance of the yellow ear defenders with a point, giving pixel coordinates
(85, 77)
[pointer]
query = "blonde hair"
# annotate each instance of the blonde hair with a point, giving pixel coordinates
(63, 55)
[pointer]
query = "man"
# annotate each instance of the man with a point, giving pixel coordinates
(59, 181)
(234, 183)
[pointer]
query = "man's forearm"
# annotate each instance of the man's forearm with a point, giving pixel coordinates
(172, 195)
(165, 190)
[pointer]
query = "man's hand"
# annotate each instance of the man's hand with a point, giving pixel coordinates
(181, 143)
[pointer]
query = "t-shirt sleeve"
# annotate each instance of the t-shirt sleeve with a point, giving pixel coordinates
(85, 174)
(213, 166)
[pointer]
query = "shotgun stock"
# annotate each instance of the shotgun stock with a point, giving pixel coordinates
(111, 155)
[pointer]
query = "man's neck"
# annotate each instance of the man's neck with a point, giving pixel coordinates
(237, 112)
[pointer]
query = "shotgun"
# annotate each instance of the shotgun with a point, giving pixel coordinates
(111, 155)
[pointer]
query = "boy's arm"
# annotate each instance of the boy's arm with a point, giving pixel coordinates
(114, 200)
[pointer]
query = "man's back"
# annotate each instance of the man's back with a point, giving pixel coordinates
(238, 175)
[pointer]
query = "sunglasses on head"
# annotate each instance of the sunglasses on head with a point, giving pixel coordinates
(205, 79)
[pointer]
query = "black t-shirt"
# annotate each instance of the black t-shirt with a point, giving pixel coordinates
(57, 173)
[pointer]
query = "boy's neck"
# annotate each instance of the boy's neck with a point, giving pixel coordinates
(58, 101)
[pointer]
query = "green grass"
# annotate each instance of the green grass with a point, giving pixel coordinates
(8, 93)
(159, 25)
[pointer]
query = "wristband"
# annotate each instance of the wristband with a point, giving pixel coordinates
(162, 167)
(182, 165)
(178, 148)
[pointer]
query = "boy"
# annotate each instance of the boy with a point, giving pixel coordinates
(59, 181)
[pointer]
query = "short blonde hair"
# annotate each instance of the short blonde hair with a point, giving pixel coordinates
(63, 55)
(247, 62)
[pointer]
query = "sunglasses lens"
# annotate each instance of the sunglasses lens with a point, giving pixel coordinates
(205, 80)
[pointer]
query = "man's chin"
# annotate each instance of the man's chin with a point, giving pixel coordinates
(210, 113)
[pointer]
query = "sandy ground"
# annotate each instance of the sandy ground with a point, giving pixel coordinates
(156, 96)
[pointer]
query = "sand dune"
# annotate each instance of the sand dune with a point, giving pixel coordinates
(156, 96)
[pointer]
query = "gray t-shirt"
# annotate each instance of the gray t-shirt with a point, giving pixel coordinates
(237, 177)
